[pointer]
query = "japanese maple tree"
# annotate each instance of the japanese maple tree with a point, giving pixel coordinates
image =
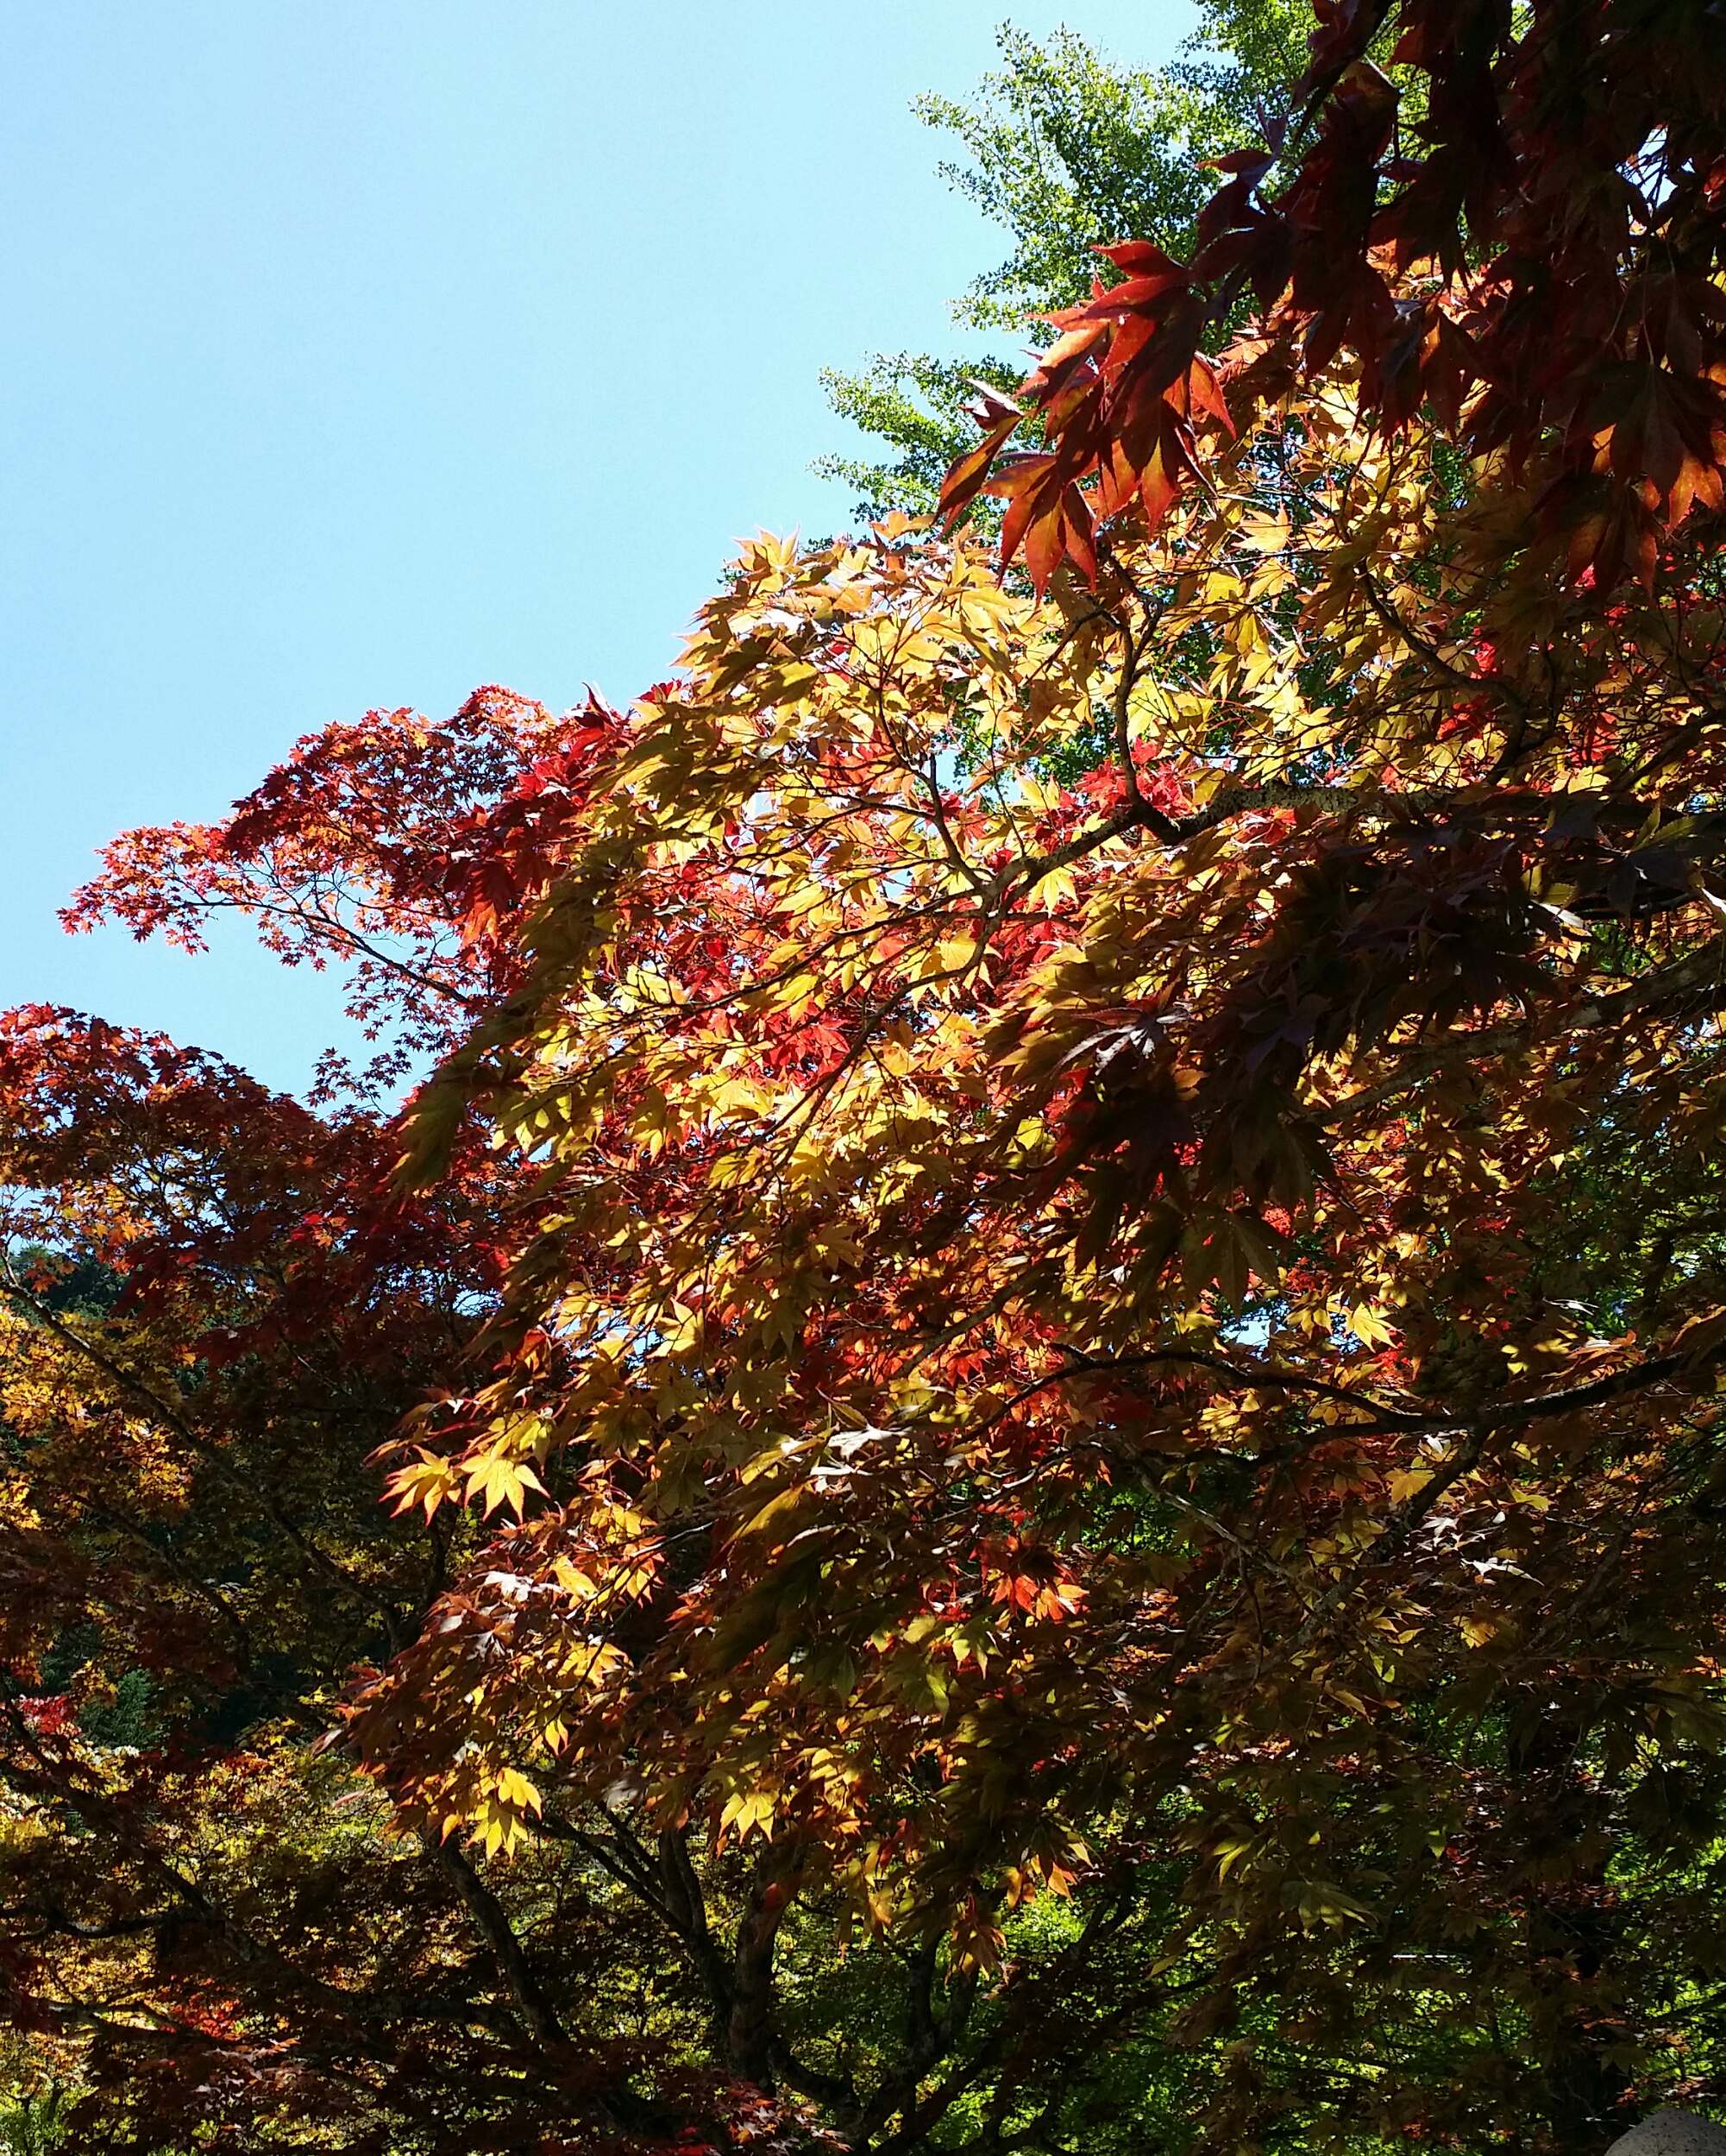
(1148, 1340)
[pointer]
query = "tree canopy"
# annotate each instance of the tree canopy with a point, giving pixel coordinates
(1045, 1356)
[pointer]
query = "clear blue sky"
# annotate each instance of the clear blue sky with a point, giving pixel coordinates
(355, 352)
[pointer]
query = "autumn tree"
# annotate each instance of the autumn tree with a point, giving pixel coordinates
(217, 1307)
(1047, 1351)
(1136, 1388)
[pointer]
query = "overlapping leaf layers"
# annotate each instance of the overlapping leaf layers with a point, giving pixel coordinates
(1105, 1401)
(215, 1306)
(1528, 243)
(1115, 1395)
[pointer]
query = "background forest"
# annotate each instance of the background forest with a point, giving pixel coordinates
(994, 1424)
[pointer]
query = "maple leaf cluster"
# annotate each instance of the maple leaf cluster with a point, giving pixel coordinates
(1520, 227)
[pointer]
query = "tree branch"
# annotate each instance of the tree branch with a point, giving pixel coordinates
(493, 1925)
